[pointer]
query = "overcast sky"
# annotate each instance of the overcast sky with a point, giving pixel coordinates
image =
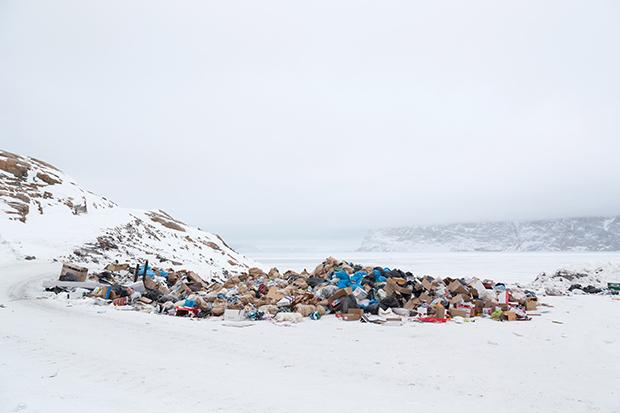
(267, 119)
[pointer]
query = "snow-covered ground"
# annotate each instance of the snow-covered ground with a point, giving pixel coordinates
(60, 356)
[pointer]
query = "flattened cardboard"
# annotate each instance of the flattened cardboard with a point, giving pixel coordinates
(424, 297)
(275, 294)
(114, 267)
(343, 292)
(428, 286)
(457, 299)
(455, 287)
(465, 312)
(354, 314)
(411, 304)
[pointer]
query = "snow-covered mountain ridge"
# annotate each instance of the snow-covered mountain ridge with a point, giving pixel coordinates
(46, 214)
(563, 234)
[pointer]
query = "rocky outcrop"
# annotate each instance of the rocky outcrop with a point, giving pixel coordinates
(45, 213)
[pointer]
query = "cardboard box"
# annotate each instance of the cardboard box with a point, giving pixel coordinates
(428, 286)
(343, 292)
(455, 287)
(106, 292)
(440, 311)
(275, 294)
(531, 304)
(179, 289)
(393, 286)
(457, 299)
(74, 270)
(150, 284)
(463, 311)
(400, 281)
(510, 315)
(424, 297)
(354, 314)
(234, 315)
(390, 288)
(115, 267)
(411, 304)
(459, 312)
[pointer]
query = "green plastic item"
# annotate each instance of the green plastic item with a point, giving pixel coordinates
(614, 286)
(497, 314)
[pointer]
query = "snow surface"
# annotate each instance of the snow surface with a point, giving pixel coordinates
(70, 356)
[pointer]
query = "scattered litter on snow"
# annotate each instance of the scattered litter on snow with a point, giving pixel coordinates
(583, 281)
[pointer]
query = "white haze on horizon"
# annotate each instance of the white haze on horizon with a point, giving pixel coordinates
(307, 120)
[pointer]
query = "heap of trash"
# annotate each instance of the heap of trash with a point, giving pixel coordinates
(578, 282)
(349, 291)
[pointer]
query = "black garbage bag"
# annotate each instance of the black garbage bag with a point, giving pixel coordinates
(372, 308)
(389, 302)
(347, 303)
(395, 274)
(57, 290)
(314, 281)
(152, 295)
(69, 277)
(106, 277)
(590, 289)
(167, 297)
(121, 291)
(372, 294)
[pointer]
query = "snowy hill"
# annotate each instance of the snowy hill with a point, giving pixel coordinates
(46, 214)
(566, 234)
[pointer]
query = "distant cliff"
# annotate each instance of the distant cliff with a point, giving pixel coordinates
(565, 234)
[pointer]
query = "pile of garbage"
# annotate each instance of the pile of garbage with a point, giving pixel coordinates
(351, 292)
(570, 282)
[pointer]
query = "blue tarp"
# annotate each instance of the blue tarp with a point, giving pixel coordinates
(378, 276)
(150, 273)
(344, 280)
